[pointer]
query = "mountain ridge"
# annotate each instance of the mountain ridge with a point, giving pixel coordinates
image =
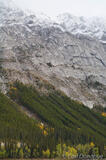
(49, 81)
(94, 27)
(33, 48)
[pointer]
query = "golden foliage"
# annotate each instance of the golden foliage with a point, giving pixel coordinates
(46, 154)
(45, 133)
(92, 144)
(104, 114)
(41, 126)
(13, 88)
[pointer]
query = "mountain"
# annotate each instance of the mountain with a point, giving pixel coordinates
(94, 27)
(50, 78)
(34, 46)
(7, 4)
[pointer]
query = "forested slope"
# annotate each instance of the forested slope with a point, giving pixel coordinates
(60, 121)
(57, 110)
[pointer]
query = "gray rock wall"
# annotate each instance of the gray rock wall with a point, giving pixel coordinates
(72, 64)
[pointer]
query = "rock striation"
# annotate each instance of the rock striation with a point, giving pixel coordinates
(32, 47)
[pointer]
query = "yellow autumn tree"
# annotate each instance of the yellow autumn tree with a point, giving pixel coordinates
(46, 154)
(72, 152)
(92, 144)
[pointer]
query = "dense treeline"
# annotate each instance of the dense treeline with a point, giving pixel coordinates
(72, 120)
(61, 121)
(22, 150)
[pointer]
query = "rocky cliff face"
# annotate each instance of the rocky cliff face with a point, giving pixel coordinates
(94, 27)
(31, 47)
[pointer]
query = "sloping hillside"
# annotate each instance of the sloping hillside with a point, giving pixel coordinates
(14, 124)
(57, 110)
(60, 120)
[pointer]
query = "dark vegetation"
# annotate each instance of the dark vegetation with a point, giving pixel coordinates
(15, 125)
(64, 121)
(99, 109)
